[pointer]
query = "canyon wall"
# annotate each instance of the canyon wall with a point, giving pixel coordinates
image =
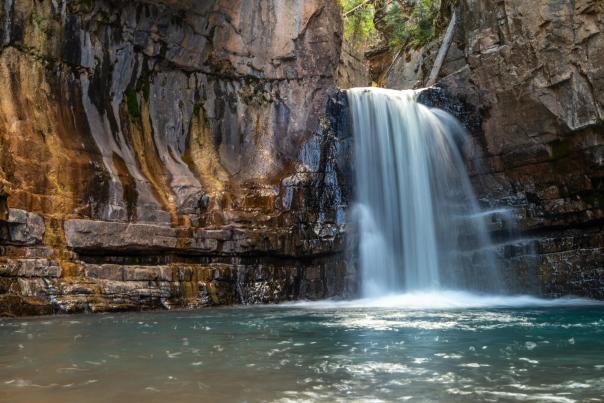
(527, 78)
(161, 153)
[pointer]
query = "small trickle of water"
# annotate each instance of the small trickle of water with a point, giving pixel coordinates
(419, 223)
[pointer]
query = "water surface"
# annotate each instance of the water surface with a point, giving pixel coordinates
(482, 349)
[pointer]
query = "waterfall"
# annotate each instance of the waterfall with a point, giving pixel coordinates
(419, 224)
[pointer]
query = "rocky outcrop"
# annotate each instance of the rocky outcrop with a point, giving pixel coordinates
(160, 153)
(39, 286)
(199, 142)
(353, 70)
(527, 78)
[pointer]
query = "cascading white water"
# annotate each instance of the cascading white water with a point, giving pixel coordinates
(419, 223)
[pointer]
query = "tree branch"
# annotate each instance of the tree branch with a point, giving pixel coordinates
(356, 8)
(442, 52)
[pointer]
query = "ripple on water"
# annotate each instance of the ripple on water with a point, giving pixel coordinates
(301, 353)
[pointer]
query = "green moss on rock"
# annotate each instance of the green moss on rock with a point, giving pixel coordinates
(132, 103)
(560, 149)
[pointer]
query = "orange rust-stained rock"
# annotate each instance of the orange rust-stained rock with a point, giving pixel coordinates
(154, 132)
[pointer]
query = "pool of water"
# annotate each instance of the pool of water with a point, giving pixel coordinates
(414, 347)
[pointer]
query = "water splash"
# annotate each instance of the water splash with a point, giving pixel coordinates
(416, 209)
(446, 299)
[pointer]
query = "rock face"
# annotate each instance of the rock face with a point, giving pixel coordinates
(528, 79)
(353, 70)
(170, 153)
(163, 153)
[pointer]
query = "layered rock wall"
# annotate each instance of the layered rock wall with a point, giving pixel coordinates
(161, 153)
(528, 80)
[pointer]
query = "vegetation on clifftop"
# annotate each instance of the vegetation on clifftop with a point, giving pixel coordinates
(359, 28)
(412, 23)
(403, 22)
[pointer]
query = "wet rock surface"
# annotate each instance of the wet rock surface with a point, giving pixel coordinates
(196, 133)
(38, 286)
(160, 153)
(530, 91)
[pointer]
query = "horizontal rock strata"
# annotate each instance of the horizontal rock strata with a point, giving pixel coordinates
(149, 146)
(530, 89)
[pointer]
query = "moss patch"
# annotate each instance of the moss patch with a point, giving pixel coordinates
(560, 149)
(82, 6)
(146, 88)
(132, 103)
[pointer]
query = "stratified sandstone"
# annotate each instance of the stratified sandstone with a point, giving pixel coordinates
(170, 153)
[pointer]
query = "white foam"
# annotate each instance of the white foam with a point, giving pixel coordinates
(413, 196)
(445, 299)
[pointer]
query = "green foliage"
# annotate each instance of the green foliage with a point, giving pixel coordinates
(414, 28)
(358, 27)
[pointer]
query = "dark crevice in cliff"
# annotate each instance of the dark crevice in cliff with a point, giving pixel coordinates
(167, 65)
(154, 258)
(50, 62)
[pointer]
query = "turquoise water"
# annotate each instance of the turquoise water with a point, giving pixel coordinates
(403, 348)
